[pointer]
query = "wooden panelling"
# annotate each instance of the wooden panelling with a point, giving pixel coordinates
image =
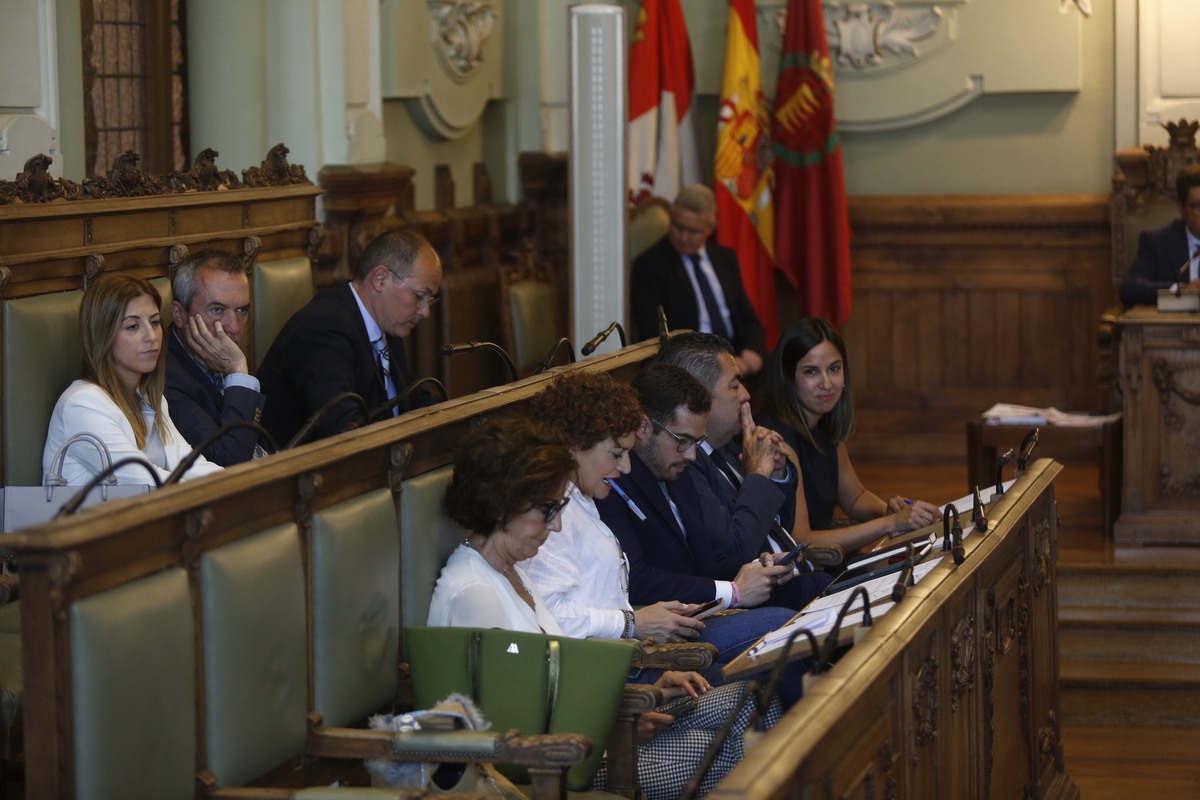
(960, 302)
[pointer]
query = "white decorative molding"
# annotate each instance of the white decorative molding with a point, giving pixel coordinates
(465, 27)
(972, 91)
(1084, 6)
(859, 33)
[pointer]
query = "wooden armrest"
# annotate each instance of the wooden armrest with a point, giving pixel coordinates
(825, 555)
(683, 656)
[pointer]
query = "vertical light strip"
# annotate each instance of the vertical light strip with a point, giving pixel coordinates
(599, 252)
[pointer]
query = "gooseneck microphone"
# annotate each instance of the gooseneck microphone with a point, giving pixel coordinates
(952, 534)
(385, 410)
(72, 505)
(1027, 446)
(544, 364)
(977, 516)
(1001, 463)
(310, 425)
(594, 342)
(906, 575)
(664, 330)
(470, 347)
(186, 463)
(692, 784)
(1183, 275)
(832, 637)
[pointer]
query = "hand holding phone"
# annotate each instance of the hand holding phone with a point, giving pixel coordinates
(793, 555)
(706, 609)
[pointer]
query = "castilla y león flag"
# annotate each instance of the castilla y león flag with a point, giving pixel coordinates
(742, 166)
(662, 141)
(812, 228)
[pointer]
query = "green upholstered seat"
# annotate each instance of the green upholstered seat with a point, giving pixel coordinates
(428, 537)
(531, 311)
(356, 607)
(255, 654)
(42, 355)
(513, 678)
(133, 697)
(280, 289)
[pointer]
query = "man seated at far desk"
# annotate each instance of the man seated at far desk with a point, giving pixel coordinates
(208, 382)
(350, 339)
(697, 282)
(1170, 254)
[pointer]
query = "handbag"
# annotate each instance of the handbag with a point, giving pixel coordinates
(533, 682)
(22, 506)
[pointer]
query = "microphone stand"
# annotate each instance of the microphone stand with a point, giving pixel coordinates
(664, 331)
(385, 409)
(590, 346)
(977, 516)
(544, 364)
(692, 785)
(308, 427)
(906, 575)
(952, 534)
(190, 459)
(1001, 463)
(72, 505)
(453, 350)
(832, 637)
(1183, 275)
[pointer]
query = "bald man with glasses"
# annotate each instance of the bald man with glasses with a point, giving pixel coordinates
(350, 338)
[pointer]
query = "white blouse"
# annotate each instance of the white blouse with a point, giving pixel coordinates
(470, 593)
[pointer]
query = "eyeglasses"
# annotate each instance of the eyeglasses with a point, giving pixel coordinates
(683, 443)
(424, 299)
(554, 508)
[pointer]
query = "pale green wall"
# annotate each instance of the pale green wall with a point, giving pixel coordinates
(70, 89)
(408, 145)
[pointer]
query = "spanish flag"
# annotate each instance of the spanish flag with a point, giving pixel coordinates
(812, 230)
(742, 171)
(663, 156)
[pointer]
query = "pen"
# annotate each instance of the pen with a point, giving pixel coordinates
(632, 505)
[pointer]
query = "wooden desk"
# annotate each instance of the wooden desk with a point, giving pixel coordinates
(1101, 445)
(1160, 377)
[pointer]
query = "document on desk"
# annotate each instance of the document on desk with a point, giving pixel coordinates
(964, 505)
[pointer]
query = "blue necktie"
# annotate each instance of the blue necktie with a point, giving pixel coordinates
(716, 319)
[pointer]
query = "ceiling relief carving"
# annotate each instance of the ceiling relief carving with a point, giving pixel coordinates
(859, 33)
(465, 27)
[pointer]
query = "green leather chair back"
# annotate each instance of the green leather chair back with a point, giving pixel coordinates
(133, 698)
(428, 537)
(512, 682)
(255, 654)
(280, 289)
(355, 565)
(42, 355)
(648, 223)
(531, 310)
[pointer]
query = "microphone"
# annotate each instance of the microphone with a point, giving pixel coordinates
(470, 347)
(977, 516)
(764, 697)
(1027, 446)
(906, 575)
(385, 410)
(664, 330)
(1183, 275)
(308, 427)
(186, 464)
(832, 637)
(595, 341)
(692, 784)
(1001, 463)
(544, 364)
(952, 533)
(72, 505)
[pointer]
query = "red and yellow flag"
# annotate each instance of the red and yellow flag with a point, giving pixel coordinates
(742, 167)
(812, 227)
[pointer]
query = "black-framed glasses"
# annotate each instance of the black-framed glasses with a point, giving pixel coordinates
(682, 443)
(554, 508)
(424, 299)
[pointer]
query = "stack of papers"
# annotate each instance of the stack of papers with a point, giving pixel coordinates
(1013, 414)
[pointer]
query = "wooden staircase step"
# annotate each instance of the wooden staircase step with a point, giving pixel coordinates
(1128, 585)
(1130, 693)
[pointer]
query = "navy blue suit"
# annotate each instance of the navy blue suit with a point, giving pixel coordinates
(749, 511)
(198, 408)
(664, 564)
(1160, 255)
(660, 278)
(323, 351)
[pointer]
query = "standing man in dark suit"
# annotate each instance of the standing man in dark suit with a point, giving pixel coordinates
(697, 282)
(1162, 253)
(350, 338)
(208, 382)
(658, 519)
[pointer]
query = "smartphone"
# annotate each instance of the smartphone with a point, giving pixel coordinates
(679, 709)
(705, 609)
(792, 556)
